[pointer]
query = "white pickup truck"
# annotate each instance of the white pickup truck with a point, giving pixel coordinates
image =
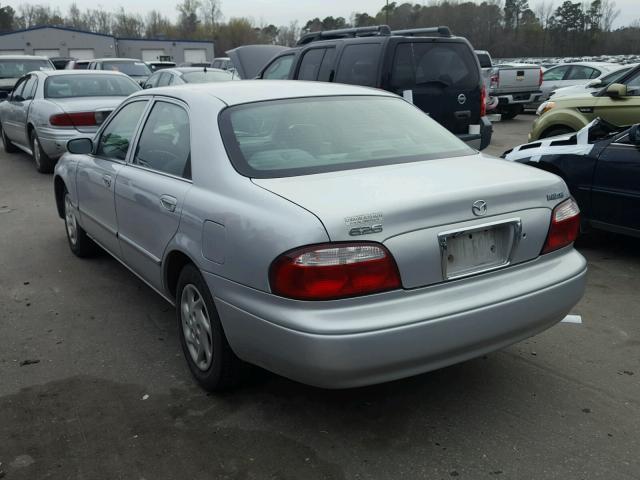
(514, 85)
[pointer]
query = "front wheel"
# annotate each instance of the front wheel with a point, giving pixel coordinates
(205, 346)
(44, 164)
(79, 242)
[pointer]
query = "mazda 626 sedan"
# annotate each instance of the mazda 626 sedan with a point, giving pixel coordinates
(332, 234)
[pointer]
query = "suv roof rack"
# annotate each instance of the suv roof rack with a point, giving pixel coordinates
(442, 31)
(345, 33)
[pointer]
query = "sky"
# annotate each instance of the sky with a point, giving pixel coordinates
(281, 12)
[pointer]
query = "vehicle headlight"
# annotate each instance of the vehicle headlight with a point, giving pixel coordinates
(545, 107)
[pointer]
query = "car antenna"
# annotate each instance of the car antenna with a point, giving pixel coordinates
(205, 68)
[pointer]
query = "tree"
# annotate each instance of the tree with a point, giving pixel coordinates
(212, 14)
(7, 19)
(288, 35)
(126, 25)
(188, 20)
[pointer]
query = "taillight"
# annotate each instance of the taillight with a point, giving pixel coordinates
(334, 270)
(75, 119)
(495, 79)
(565, 225)
(483, 101)
(540, 78)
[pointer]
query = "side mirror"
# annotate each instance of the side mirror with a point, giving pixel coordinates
(17, 98)
(617, 90)
(634, 134)
(80, 146)
(594, 83)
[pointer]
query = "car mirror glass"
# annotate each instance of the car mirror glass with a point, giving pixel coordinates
(617, 90)
(80, 146)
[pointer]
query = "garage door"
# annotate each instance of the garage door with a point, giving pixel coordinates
(82, 53)
(149, 55)
(11, 52)
(43, 52)
(195, 55)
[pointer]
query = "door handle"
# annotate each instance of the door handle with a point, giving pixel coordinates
(462, 114)
(168, 202)
(106, 179)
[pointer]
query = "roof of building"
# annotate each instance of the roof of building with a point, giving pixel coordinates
(75, 30)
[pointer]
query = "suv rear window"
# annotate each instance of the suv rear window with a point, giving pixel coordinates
(448, 63)
(359, 64)
(303, 136)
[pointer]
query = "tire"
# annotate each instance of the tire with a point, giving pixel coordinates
(79, 242)
(6, 143)
(219, 368)
(44, 164)
(510, 112)
(555, 131)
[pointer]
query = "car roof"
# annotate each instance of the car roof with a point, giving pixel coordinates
(248, 91)
(117, 59)
(193, 69)
(22, 57)
(55, 73)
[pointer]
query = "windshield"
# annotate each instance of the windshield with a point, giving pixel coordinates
(136, 69)
(612, 77)
(66, 86)
(18, 68)
(313, 135)
(206, 77)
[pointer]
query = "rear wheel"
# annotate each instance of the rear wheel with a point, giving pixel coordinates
(510, 112)
(6, 143)
(555, 131)
(205, 346)
(44, 164)
(79, 242)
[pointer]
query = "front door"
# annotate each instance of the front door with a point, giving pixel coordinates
(150, 190)
(97, 174)
(621, 111)
(616, 185)
(10, 122)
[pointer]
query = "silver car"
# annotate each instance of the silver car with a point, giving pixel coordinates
(330, 233)
(47, 108)
(182, 75)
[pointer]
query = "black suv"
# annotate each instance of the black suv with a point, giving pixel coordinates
(437, 72)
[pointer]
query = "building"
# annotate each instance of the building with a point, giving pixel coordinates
(52, 41)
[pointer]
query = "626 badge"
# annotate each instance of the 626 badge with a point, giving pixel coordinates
(354, 232)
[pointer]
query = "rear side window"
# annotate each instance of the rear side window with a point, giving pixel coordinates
(326, 69)
(485, 60)
(359, 64)
(443, 63)
(310, 65)
(279, 69)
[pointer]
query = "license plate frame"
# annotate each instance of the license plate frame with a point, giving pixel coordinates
(505, 233)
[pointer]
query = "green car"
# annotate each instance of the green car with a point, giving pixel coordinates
(617, 103)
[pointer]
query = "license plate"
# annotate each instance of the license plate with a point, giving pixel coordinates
(479, 249)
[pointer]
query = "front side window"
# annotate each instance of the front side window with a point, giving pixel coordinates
(164, 143)
(312, 135)
(165, 79)
(116, 137)
(310, 65)
(18, 89)
(153, 80)
(90, 85)
(279, 69)
(30, 88)
(359, 64)
(633, 85)
(445, 64)
(556, 73)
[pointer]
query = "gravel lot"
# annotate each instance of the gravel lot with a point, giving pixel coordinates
(93, 384)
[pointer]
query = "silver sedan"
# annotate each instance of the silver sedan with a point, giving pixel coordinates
(332, 234)
(47, 108)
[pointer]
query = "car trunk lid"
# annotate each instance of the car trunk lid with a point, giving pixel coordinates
(408, 207)
(103, 106)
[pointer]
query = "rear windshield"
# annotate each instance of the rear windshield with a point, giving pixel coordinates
(139, 69)
(65, 86)
(292, 137)
(450, 64)
(206, 77)
(80, 65)
(18, 68)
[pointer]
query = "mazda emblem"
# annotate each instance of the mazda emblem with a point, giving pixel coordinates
(462, 98)
(479, 208)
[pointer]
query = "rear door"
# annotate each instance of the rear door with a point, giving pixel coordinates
(443, 79)
(150, 190)
(317, 64)
(616, 185)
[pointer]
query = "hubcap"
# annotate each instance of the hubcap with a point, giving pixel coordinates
(70, 221)
(196, 327)
(36, 151)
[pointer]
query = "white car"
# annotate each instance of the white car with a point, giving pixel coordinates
(593, 85)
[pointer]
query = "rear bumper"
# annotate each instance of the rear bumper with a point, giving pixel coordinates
(518, 98)
(54, 141)
(481, 140)
(356, 342)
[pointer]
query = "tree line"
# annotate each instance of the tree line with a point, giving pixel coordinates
(507, 28)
